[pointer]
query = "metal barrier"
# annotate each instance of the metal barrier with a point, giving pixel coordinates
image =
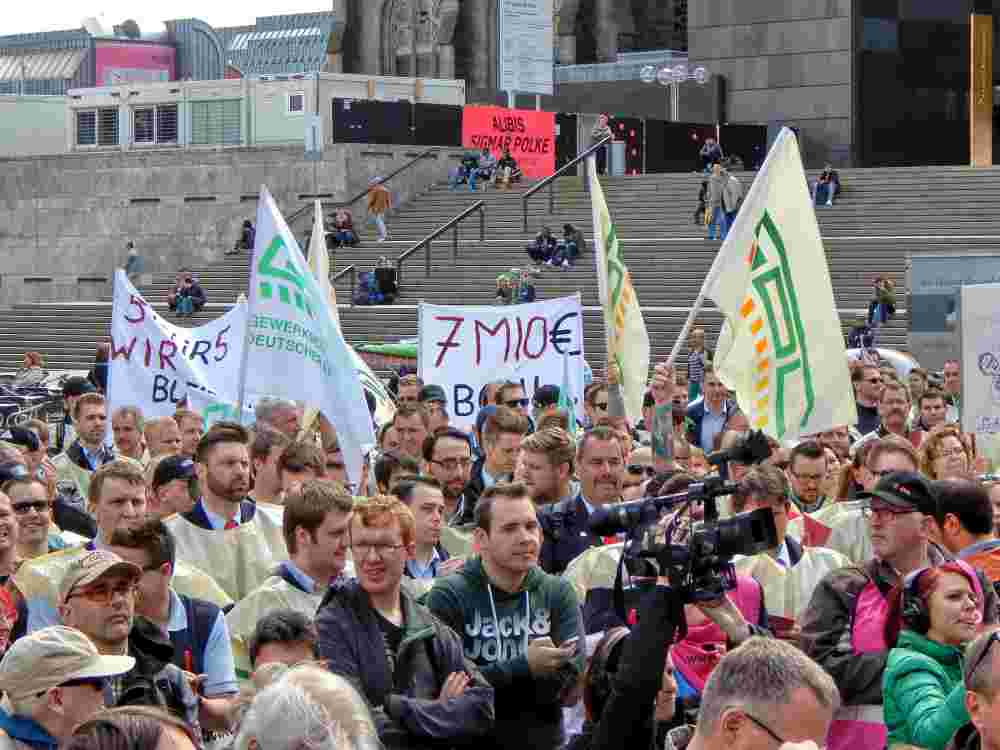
(344, 204)
(351, 271)
(479, 206)
(549, 181)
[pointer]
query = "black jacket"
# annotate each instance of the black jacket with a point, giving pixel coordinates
(627, 718)
(565, 534)
(407, 711)
(966, 738)
(154, 681)
(473, 490)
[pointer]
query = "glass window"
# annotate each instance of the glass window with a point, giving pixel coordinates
(880, 34)
(86, 128)
(166, 123)
(107, 130)
(215, 123)
(296, 103)
(144, 125)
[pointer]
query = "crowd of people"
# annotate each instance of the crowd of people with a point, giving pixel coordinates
(234, 588)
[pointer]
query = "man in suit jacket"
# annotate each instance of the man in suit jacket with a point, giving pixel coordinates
(565, 526)
(707, 416)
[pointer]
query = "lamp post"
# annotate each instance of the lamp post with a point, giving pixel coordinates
(674, 76)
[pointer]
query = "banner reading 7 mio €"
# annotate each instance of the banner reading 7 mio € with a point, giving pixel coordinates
(530, 136)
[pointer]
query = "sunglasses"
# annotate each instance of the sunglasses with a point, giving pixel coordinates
(640, 469)
(514, 403)
(39, 506)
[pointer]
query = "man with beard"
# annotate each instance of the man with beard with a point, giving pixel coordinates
(316, 522)
(893, 411)
(806, 472)
(600, 465)
(518, 624)
(88, 451)
(449, 460)
(408, 665)
(212, 536)
(547, 466)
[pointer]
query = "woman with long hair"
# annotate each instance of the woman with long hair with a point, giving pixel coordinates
(932, 615)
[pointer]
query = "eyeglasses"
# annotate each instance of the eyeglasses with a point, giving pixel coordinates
(601, 405)
(814, 478)
(884, 511)
(515, 403)
(382, 551)
(760, 724)
(994, 636)
(104, 595)
(39, 506)
(640, 469)
(450, 464)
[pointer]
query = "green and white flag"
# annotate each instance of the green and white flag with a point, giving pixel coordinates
(294, 347)
(781, 348)
(565, 397)
(624, 326)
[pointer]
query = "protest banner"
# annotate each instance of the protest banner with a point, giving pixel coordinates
(530, 136)
(980, 346)
(462, 349)
(294, 347)
(157, 365)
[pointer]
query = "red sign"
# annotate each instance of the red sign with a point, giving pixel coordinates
(530, 136)
(133, 62)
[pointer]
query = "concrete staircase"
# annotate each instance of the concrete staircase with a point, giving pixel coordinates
(883, 215)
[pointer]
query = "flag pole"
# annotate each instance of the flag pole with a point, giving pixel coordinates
(686, 328)
(241, 391)
(599, 257)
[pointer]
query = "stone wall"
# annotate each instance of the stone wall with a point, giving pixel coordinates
(64, 220)
(785, 63)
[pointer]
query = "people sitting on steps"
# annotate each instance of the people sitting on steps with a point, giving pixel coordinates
(542, 247)
(508, 172)
(187, 298)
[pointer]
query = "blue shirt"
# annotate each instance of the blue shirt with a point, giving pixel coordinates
(711, 425)
(220, 669)
(217, 521)
(27, 730)
(93, 459)
(416, 569)
(305, 582)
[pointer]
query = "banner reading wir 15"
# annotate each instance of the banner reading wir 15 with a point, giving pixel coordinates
(530, 135)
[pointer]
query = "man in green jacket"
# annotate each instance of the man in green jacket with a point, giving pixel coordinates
(518, 624)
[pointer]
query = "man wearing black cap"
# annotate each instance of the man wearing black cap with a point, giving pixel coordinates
(73, 388)
(842, 628)
(436, 403)
(173, 488)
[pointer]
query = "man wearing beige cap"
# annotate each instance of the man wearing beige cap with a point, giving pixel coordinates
(54, 680)
(97, 597)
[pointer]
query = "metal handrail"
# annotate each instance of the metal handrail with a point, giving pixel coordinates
(479, 206)
(550, 180)
(351, 270)
(344, 204)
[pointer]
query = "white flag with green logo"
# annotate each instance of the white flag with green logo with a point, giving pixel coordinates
(781, 347)
(295, 348)
(624, 326)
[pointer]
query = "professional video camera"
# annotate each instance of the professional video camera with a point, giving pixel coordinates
(700, 569)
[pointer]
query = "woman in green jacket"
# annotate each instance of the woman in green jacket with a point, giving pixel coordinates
(934, 614)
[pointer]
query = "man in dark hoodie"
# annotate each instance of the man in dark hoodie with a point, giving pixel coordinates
(518, 624)
(98, 596)
(406, 662)
(982, 696)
